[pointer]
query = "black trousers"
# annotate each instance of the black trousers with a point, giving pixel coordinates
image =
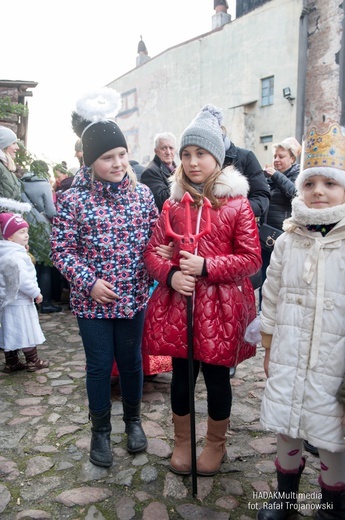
(219, 395)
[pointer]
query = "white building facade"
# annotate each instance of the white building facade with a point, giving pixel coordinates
(253, 67)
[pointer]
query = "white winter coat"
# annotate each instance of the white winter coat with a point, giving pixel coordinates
(19, 323)
(304, 309)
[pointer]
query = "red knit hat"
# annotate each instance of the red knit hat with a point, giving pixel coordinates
(10, 223)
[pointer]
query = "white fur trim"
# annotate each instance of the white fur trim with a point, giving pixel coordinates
(230, 183)
(331, 173)
(10, 204)
(301, 214)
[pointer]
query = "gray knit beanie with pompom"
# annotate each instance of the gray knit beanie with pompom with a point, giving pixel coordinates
(205, 131)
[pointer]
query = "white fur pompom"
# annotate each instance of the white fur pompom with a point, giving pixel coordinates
(216, 112)
(99, 105)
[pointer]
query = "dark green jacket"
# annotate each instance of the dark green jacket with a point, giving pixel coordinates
(10, 186)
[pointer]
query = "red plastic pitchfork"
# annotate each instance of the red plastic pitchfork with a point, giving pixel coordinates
(188, 242)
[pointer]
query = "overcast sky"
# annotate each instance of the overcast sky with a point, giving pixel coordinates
(72, 46)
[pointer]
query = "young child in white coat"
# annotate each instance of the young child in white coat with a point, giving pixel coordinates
(19, 324)
(303, 331)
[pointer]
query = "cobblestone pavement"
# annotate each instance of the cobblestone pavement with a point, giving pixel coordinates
(45, 471)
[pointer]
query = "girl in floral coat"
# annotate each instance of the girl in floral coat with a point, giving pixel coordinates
(100, 232)
(217, 273)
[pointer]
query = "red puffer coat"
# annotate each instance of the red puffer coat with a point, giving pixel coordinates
(224, 299)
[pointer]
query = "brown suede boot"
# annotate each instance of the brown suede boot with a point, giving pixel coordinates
(13, 363)
(214, 453)
(181, 460)
(33, 362)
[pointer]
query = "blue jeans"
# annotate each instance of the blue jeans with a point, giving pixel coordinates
(105, 340)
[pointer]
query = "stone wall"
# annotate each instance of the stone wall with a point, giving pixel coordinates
(323, 96)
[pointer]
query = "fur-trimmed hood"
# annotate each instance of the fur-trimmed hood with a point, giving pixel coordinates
(302, 215)
(230, 183)
(14, 205)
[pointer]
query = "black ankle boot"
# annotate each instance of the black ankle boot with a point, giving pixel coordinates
(136, 438)
(100, 451)
(44, 276)
(310, 448)
(282, 506)
(47, 307)
(12, 362)
(332, 505)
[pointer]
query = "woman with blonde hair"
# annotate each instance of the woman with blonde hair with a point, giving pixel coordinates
(281, 178)
(10, 186)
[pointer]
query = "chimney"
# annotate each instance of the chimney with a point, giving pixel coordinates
(221, 17)
(142, 53)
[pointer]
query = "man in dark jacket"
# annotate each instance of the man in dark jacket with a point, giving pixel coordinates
(246, 162)
(137, 168)
(259, 196)
(156, 174)
(259, 191)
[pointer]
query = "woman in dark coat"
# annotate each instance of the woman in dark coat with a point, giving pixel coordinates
(281, 179)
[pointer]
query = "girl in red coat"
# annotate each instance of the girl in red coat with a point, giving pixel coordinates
(216, 275)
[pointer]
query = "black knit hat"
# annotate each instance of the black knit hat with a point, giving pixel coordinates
(92, 121)
(100, 137)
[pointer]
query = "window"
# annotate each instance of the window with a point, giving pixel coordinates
(129, 103)
(266, 139)
(267, 91)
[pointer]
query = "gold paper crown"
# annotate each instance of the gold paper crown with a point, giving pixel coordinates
(325, 150)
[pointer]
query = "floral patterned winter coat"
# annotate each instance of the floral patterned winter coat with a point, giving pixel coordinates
(224, 299)
(101, 231)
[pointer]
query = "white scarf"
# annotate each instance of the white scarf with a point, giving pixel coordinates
(302, 215)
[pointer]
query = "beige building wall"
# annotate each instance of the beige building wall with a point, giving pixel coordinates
(224, 67)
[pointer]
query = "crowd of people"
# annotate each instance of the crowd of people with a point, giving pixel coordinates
(139, 248)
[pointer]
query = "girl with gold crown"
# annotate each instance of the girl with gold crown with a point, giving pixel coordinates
(303, 331)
